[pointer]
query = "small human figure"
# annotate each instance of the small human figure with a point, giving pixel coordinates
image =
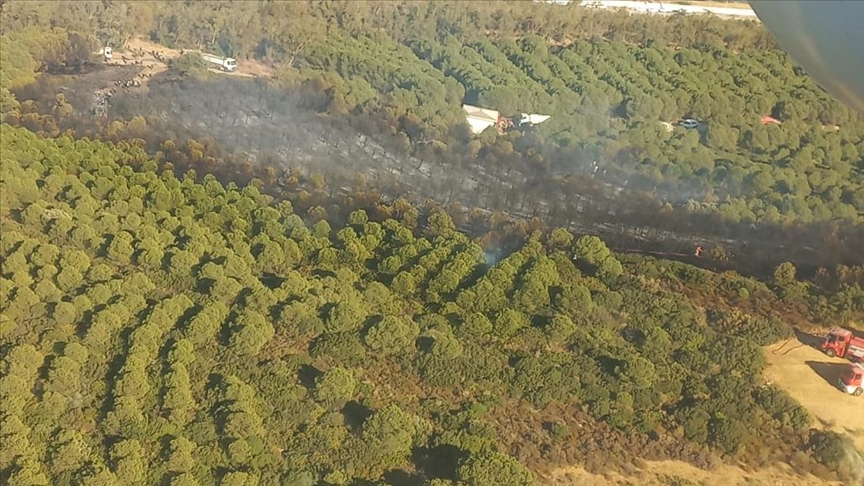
(699, 251)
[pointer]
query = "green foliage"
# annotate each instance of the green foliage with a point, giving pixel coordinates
(200, 365)
(189, 62)
(392, 335)
(555, 376)
(783, 408)
(69, 451)
(389, 434)
(344, 346)
(26, 50)
(608, 87)
(250, 332)
(560, 329)
(838, 453)
(128, 461)
(784, 274)
(594, 252)
(335, 386)
(762, 331)
(494, 469)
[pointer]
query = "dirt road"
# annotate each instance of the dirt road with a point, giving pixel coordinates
(664, 8)
(808, 375)
(666, 473)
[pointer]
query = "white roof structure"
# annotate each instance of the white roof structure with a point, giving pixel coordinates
(533, 118)
(479, 118)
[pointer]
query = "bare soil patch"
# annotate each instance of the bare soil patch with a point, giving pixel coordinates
(810, 377)
(668, 473)
(714, 3)
(140, 44)
(255, 68)
(245, 67)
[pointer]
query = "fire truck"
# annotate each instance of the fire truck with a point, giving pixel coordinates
(851, 380)
(844, 344)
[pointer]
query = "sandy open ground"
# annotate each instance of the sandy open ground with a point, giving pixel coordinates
(247, 68)
(809, 376)
(667, 473)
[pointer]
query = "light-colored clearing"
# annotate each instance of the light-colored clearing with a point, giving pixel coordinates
(246, 68)
(710, 3)
(809, 376)
(148, 47)
(666, 473)
(238, 73)
(255, 68)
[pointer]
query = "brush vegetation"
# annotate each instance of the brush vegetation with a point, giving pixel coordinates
(160, 325)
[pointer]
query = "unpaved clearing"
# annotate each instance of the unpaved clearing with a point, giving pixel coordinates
(140, 52)
(157, 54)
(238, 73)
(668, 473)
(139, 44)
(255, 68)
(713, 3)
(809, 376)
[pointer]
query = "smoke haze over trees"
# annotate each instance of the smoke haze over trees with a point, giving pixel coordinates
(608, 91)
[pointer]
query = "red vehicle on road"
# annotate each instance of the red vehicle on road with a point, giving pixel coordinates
(844, 344)
(852, 379)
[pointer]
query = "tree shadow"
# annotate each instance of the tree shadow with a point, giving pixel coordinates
(424, 343)
(355, 414)
(397, 476)
(369, 322)
(440, 461)
(807, 339)
(271, 280)
(829, 372)
(204, 285)
(307, 375)
(827, 424)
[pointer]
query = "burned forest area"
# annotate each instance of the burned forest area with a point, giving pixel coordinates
(289, 129)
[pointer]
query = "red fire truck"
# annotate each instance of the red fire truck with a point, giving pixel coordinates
(851, 380)
(844, 344)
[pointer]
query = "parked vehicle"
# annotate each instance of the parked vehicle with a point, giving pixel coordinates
(108, 53)
(844, 344)
(689, 123)
(851, 380)
(226, 63)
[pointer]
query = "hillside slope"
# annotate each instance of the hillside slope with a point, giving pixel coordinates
(157, 328)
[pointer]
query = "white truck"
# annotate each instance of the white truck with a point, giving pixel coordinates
(225, 63)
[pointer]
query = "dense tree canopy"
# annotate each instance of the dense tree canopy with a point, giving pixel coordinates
(218, 370)
(610, 89)
(165, 327)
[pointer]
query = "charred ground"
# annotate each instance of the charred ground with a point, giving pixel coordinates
(291, 128)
